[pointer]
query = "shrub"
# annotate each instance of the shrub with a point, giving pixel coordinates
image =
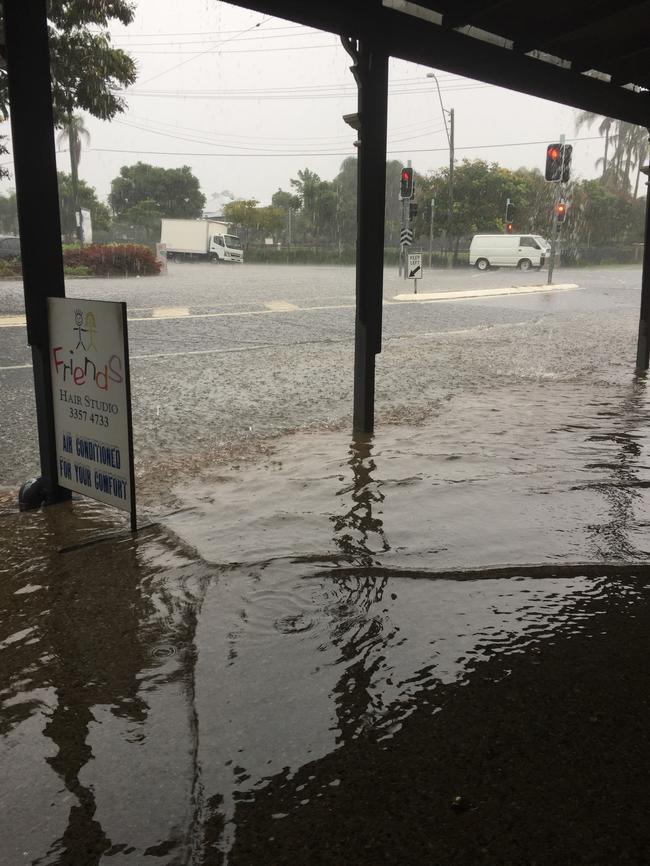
(78, 271)
(109, 260)
(10, 268)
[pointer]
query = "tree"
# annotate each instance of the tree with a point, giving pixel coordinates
(74, 130)
(270, 221)
(587, 118)
(86, 197)
(144, 217)
(306, 185)
(285, 200)
(3, 151)
(630, 150)
(8, 214)
(176, 191)
(87, 71)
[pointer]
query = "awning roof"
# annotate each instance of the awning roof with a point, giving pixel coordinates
(585, 53)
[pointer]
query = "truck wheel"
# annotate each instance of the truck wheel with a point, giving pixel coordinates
(525, 265)
(482, 264)
(214, 258)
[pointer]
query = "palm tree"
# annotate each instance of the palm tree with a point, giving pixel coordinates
(74, 130)
(587, 118)
(642, 151)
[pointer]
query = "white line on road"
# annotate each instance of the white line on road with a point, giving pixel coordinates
(170, 312)
(281, 306)
(274, 307)
(485, 293)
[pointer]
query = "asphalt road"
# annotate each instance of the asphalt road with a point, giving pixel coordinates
(223, 355)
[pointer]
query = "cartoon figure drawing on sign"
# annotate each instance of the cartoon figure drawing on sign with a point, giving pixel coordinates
(78, 327)
(92, 330)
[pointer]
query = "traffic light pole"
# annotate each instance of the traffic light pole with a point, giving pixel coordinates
(555, 231)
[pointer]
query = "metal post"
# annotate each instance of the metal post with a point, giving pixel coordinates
(433, 203)
(402, 248)
(643, 343)
(37, 199)
(450, 204)
(371, 74)
(555, 231)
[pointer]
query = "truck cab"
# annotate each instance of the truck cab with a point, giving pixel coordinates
(226, 248)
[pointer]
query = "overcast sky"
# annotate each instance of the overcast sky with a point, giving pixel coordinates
(246, 100)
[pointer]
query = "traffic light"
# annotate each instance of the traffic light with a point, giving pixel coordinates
(509, 228)
(566, 169)
(558, 162)
(560, 210)
(413, 210)
(510, 212)
(406, 183)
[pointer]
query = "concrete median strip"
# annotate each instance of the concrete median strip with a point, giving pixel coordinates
(485, 293)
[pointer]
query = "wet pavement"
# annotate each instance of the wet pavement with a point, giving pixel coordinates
(425, 647)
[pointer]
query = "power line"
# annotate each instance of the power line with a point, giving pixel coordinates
(132, 35)
(327, 153)
(284, 93)
(413, 130)
(247, 147)
(255, 38)
(201, 53)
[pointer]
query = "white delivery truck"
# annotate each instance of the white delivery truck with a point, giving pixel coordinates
(193, 239)
(508, 251)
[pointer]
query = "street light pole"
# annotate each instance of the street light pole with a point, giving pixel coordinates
(449, 129)
(450, 203)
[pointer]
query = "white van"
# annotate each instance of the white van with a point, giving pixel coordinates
(508, 251)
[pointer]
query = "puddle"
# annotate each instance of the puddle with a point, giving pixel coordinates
(345, 652)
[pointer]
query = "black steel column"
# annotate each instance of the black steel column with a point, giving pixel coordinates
(371, 73)
(643, 344)
(32, 129)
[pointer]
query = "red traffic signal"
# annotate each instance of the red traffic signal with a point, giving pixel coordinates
(560, 211)
(558, 162)
(406, 183)
(509, 228)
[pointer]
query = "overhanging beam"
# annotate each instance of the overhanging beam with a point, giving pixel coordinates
(419, 41)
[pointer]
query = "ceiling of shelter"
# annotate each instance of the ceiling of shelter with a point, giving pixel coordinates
(590, 54)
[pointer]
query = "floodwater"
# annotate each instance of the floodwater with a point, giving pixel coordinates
(428, 646)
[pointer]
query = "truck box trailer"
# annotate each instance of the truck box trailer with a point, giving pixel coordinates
(199, 239)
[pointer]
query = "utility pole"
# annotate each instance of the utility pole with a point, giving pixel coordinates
(433, 204)
(450, 204)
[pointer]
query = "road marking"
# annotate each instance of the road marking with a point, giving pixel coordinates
(18, 367)
(170, 312)
(266, 312)
(485, 293)
(12, 321)
(280, 306)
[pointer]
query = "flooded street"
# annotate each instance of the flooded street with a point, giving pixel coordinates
(428, 646)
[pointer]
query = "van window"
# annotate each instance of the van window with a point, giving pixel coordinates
(529, 242)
